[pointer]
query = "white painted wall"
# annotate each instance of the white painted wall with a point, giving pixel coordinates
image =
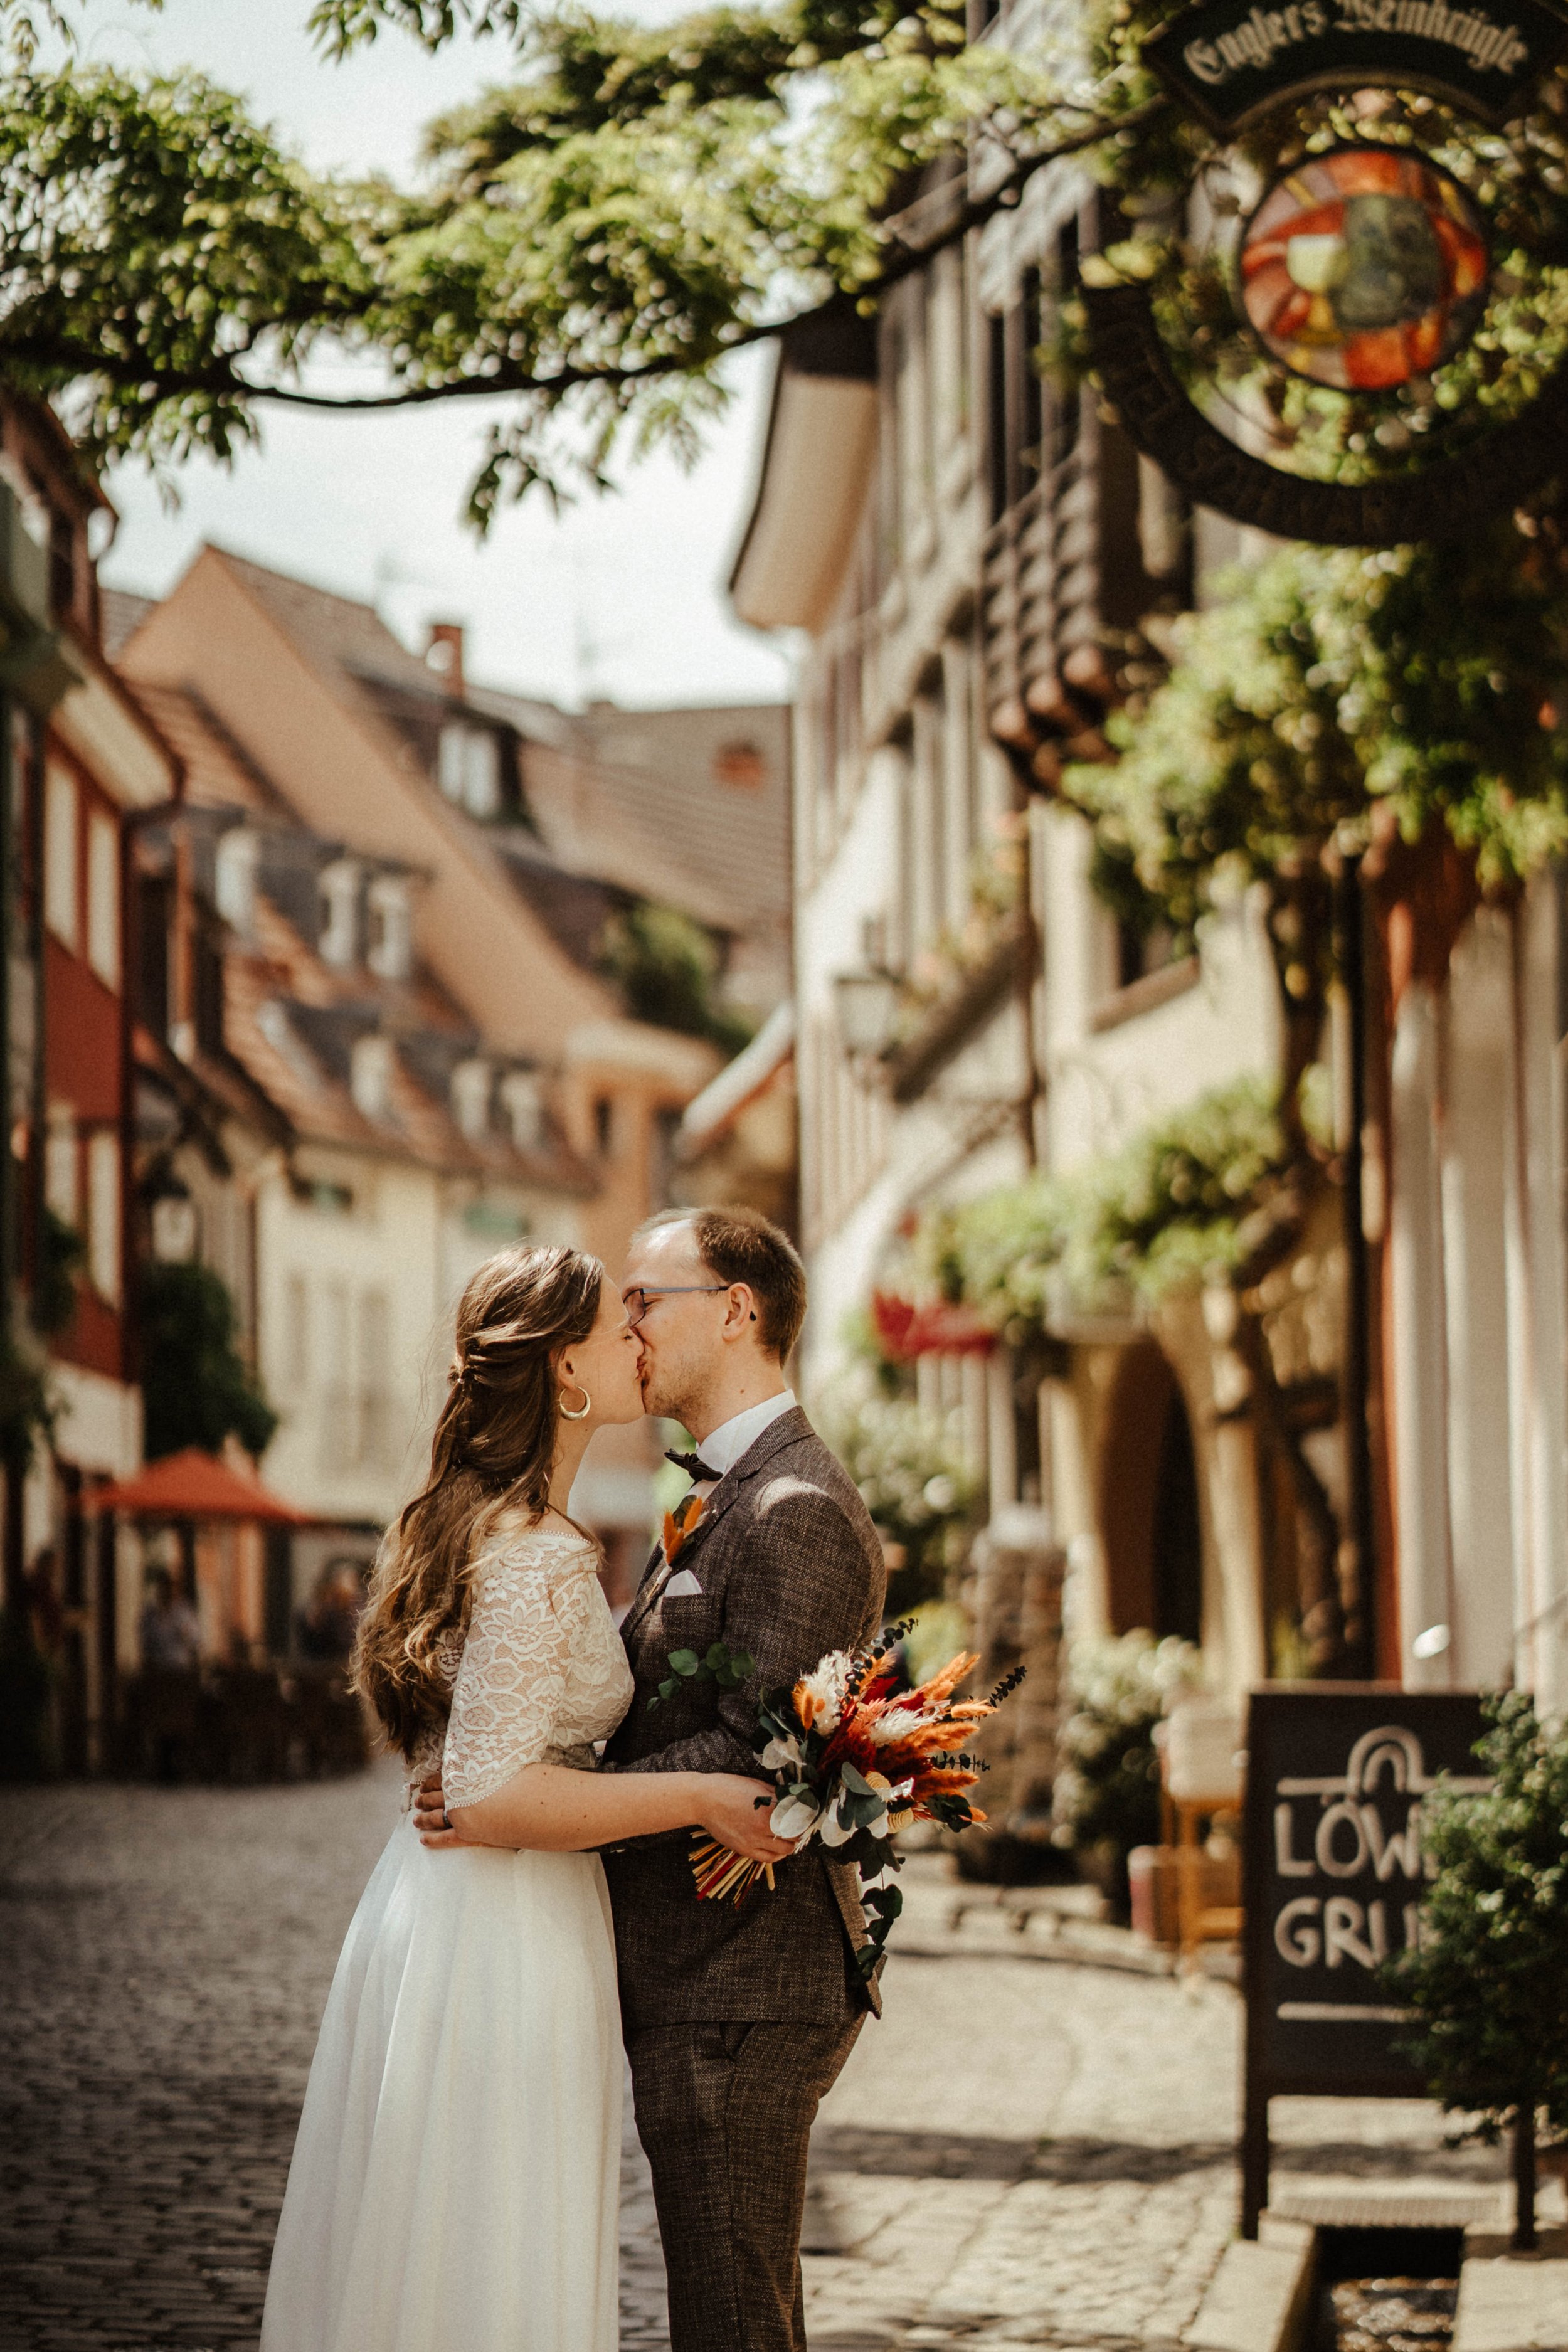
(351, 1308)
(1474, 1182)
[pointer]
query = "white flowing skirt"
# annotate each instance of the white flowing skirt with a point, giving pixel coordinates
(454, 2185)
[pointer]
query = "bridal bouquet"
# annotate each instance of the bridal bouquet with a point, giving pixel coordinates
(854, 1760)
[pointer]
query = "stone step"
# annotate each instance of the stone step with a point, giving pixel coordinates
(1259, 2297)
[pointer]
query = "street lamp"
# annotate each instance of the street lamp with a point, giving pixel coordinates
(866, 1006)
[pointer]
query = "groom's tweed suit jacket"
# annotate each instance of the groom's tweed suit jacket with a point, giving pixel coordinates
(790, 1568)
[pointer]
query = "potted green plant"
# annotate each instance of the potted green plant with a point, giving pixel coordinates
(1487, 1985)
(1106, 1793)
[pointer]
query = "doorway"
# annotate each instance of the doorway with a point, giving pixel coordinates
(1149, 1509)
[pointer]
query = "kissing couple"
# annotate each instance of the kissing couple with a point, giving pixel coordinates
(454, 2185)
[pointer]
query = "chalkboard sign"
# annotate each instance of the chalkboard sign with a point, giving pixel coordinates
(1332, 1871)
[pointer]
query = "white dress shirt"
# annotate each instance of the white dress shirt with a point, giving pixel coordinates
(722, 1447)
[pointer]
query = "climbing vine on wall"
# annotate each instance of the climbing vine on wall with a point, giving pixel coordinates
(1195, 1197)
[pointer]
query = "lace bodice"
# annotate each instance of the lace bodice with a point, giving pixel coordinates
(540, 1674)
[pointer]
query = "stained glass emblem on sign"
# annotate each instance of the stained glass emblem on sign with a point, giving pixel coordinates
(1363, 268)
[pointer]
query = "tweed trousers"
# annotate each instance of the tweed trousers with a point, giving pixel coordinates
(724, 2113)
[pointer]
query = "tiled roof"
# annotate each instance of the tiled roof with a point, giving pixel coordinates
(290, 1019)
(218, 774)
(689, 807)
(347, 641)
(122, 613)
(288, 1015)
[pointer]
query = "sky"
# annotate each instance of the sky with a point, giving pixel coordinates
(621, 597)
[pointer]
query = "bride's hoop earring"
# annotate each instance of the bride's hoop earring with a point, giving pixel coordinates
(583, 1409)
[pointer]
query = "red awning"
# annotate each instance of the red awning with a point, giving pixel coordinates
(197, 1485)
(933, 1328)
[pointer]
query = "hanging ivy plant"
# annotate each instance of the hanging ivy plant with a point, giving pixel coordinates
(1195, 1197)
(196, 1388)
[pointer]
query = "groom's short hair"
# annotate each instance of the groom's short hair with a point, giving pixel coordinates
(742, 1245)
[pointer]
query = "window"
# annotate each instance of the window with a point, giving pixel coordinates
(208, 975)
(103, 898)
(1066, 411)
(154, 909)
(62, 564)
(176, 1229)
(1032, 456)
(662, 1175)
(296, 1335)
(235, 883)
(60, 885)
(336, 1429)
(604, 1126)
(103, 1214)
(471, 1098)
(375, 1432)
(339, 941)
(523, 1103)
(62, 1168)
(370, 1075)
(996, 413)
(390, 953)
(468, 769)
(329, 1200)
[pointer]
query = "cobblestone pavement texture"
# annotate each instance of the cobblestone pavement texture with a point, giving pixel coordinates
(1033, 2148)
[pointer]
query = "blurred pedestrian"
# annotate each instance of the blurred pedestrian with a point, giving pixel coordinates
(45, 1610)
(326, 1626)
(171, 1630)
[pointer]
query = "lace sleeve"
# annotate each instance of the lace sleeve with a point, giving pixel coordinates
(510, 1682)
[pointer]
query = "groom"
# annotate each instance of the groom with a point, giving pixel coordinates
(737, 2017)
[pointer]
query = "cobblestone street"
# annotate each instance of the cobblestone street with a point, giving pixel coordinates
(1033, 2148)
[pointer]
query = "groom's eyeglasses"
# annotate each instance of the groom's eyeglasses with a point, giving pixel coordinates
(636, 1301)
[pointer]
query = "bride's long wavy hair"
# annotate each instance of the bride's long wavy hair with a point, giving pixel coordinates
(493, 1451)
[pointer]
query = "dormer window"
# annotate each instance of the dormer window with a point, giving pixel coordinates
(235, 880)
(339, 940)
(471, 1098)
(390, 955)
(468, 768)
(522, 1099)
(370, 1077)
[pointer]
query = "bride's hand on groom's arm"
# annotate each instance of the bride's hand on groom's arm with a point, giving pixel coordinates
(553, 1808)
(735, 1812)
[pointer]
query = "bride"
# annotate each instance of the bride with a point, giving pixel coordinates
(455, 2181)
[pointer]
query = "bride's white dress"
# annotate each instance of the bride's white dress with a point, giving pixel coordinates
(454, 2184)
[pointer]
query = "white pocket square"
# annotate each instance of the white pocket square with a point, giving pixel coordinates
(682, 1587)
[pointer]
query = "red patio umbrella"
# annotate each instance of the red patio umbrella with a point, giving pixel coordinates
(196, 1486)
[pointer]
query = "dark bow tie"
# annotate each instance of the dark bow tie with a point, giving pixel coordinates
(694, 1466)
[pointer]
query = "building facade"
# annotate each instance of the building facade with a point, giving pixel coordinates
(450, 1022)
(976, 557)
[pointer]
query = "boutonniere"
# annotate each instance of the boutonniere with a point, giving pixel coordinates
(678, 1527)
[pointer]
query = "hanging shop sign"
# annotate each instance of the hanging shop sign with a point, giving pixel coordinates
(1446, 500)
(1332, 1874)
(1229, 61)
(1362, 269)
